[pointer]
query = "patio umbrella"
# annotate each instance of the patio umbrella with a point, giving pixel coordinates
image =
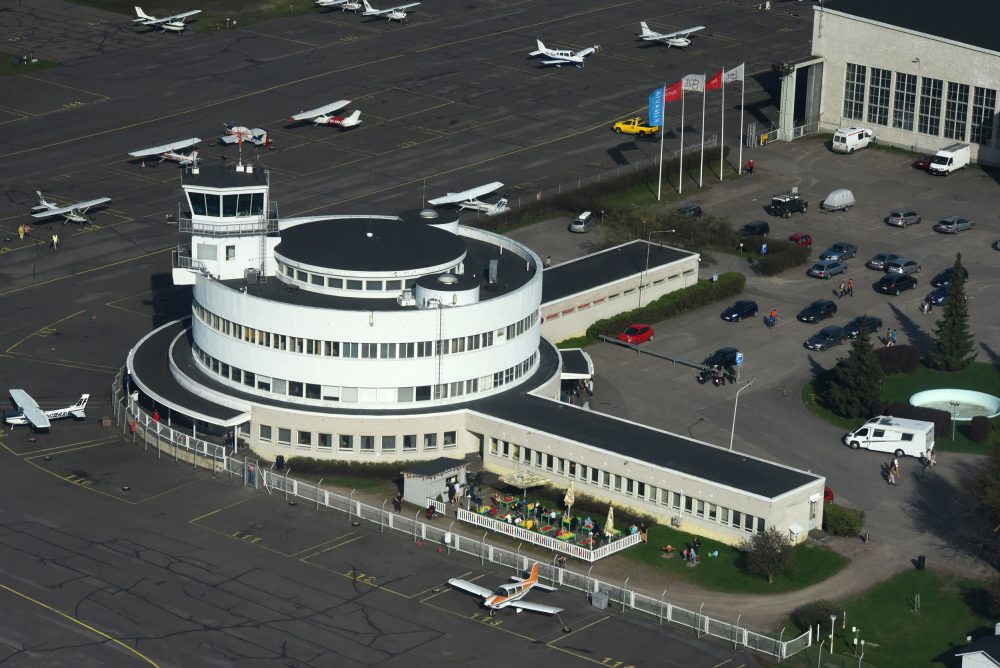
(523, 479)
(569, 499)
(609, 526)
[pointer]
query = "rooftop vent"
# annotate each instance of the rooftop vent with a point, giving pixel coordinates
(447, 279)
(406, 298)
(428, 214)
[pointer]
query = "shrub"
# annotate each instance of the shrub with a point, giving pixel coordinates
(781, 255)
(369, 470)
(841, 521)
(941, 419)
(980, 428)
(993, 596)
(809, 615)
(898, 359)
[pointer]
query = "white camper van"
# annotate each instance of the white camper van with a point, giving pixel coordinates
(896, 435)
(849, 140)
(950, 159)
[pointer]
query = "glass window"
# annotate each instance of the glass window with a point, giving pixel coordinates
(305, 438)
(393, 285)
(737, 517)
(257, 204)
(640, 490)
(984, 102)
(760, 525)
(367, 443)
(334, 282)
(723, 515)
(431, 442)
(346, 442)
(373, 285)
(264, 383)
(197, 203)
(212, 205)
(388, 444)
(294, 388)
(410, 442)
(312, 391)
(423, 393)
(594, 475)
(404, 394)
(353, 284)
(713, 511)
(450, 439)
(929, 121)
(905, 103)
(284, 435)
(301, 276)
(230, 253)
(243, 205)
(387, 351)
(956, 111)
(676, 500)
(316, 279)
(878, 97)
(854, 92)
(265, 432)
(228, 206)
(700, 510)
(688, 505)
(748, 523)
(324, 441)
(279, 386)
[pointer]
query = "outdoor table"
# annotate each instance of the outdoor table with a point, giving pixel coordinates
(508, 502)
(586, 542)
(546, 528)
(567, 536)
(614, 534)
(567, 520)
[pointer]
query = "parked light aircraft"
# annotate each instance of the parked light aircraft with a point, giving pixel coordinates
(469, 199)
(169, 152)
(71, 213)
(323, 115)
(397, 13)
(30, 413)
(234, 133)
(173, 23)
(679, 39)
(509, 595)
(560, 57)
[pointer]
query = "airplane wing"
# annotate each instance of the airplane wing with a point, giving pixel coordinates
(472, 193)
(70, 208)
(535, 607)
(400, 8)
(29, 408)
(160, 150)
(674, 35)
(319, 111)
(464, 585)
(555, 62)
(175, 17)
(585, 52)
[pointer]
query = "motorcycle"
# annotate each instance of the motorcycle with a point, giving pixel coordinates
(770, 321)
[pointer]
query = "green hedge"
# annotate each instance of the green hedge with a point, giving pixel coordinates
(370, 470)
(841, 521)
(781, 255)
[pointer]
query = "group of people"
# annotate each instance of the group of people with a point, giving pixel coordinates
(24, 232)
(846, 289)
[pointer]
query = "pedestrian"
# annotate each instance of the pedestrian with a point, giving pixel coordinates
(397, 502)
(28, 229)
(892, 337)
(644, 532)
(156, 416)
(54, 242)
(841, 290)
(895, 466)
(892, 477)
(850, 287)
(561, 562)
(925, 464)
(888, 337)
(548, 260)
(451, 492)
(20, 232)
(590, 386)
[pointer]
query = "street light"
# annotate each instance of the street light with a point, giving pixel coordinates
(732, 432)
(642, 278)
(833, 626)
(954, 414)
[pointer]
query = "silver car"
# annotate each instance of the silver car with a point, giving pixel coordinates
(953, 225)
(903, 266)
(827, 268)
(902, 217)
(880, 260)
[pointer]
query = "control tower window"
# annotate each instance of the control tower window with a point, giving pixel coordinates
(229, 206)
(197, 203)
(257, 205)
(243, 205)
(212, 205)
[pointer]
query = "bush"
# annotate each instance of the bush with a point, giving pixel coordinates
(993, 596)
(898, 359)
(941, 419)
(369, 470)
(781, 255)
(841, 521)
(817, 612)
(980, 428)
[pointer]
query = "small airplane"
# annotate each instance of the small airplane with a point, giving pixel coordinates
(71, 213)
(30, 413)
(173, 23)
(345, 5)
(469, 199)
(509, 595)
(679, 39)
(397, 13)
(560, 57)
(169, 152)
(234, 133)
(323, 115)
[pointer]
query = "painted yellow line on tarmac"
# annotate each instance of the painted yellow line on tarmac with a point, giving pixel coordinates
(317, 545)
(73, 88)
(219, 510)
(284, 39)
(80, 623)
(43, 327)
(306, 558)
(582, 628)
(167, 491)
(116, 263)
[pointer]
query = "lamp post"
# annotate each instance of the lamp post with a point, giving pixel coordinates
(642, 279)
(860, 658)
(833, 626)
(954, 414)
(732, 432)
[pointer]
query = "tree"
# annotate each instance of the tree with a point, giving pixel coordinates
(953, 344)
(768, 553)
(853, 387)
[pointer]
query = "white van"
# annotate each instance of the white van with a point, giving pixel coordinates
(581, 223)
(849, 140)
(950, 159)
(899, 436)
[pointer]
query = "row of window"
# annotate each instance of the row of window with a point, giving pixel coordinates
(626, 486)
(341, 283)
(597, 302)
(324, 442)
(365, 395)
(925, 117)
(353, 349)
(226, 206)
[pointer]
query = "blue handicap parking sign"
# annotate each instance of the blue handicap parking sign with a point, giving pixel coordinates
(739, 359)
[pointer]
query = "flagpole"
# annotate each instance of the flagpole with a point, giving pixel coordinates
(722, 121)
(701, 159)
(680, 179)
(743, 87)
(663, 123)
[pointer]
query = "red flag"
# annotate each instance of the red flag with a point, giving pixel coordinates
(674, 92)
(714, 82)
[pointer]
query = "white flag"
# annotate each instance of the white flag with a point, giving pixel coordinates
(733, 75)
(695, 82)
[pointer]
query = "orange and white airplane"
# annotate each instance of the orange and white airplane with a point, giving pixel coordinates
(509, 595)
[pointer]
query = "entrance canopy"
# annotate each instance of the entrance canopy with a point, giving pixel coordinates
(576, 364)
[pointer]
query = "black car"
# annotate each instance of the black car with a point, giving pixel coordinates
(944, 278)
(827, 337)
(757, 228)
(692, 210)
(722, 358)
(821, 309)
(893, 284)
(872, 324)
(744, 308)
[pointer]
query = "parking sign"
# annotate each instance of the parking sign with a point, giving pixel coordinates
(739, 359)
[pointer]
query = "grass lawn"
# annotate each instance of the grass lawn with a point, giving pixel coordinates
(644, 194)
(725, 572)
(896, 636)
(345, 483)
(10, 64)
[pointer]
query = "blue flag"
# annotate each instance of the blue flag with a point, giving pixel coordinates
(656, 107)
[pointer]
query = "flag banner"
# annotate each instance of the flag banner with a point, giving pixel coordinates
(734, 75)
(714, 82)
(656, 107)
(695, 82)
(673, 93)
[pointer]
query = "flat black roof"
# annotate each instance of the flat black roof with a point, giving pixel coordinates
(967, 21)
(607, 266)
(434, 467)
(219, 176)
(574, 361)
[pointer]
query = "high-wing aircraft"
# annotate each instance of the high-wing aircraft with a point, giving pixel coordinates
(469, 199)
(169, 152)
(71, 213)
(324, 115)
(329, 3)
(30, 413)
(173, 23)
(509, 595)
(234, 133)
(679, 39)
(397, 13)
(560, 57)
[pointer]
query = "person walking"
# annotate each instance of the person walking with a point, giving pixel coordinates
(895, 466)
(892, 477)
(841, 290)
(892, 337)
(20, 232)
(548, 260)
(54, 242)
(850, 287)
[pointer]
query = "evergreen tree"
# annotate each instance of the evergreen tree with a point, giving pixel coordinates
(953, 344)
(852, 388)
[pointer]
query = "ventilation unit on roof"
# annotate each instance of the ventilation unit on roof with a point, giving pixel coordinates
(493, 270)
(406, 298)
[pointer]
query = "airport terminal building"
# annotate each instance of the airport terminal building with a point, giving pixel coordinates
(413, 337)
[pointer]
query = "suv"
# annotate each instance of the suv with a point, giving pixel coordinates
(757, 228)
(635, 126)
(786, 205)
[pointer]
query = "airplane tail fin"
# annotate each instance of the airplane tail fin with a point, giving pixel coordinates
(76, 410)
(352, 120)
(533, 576)
(141, 14)
(41, 198)
(368, 8)
(646, 32)
(541, 48)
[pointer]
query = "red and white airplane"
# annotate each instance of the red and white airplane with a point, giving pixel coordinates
(173, 23)
(235, 133)
(345, 5)
(324, 115)
(509, 595)
(679, 39)
(169, 152)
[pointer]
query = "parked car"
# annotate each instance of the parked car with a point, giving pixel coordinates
(893, 284)
(744, 308)
(787, 204)
(821, 309)
(839, 251)
(827, 268)
(996, 245)
(903, 266)
(871, 323)
(902, 217)
(637, 333)
(805, 240)
(953, 225)
(827, 337)
(880, 260)
(923, 162)
(943, 279)
(757, 228)
(692, 210)
(722, 358)
(582, 222)
(839, 200)
(939, 296)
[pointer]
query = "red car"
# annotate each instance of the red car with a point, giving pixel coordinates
(923, 163)
(637, 333)
(802, 239)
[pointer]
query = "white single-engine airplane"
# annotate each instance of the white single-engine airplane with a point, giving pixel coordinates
(30, 413)
(173, 23)
(397, 13)
(509, 595)
(679, 39)
(469, 199)
(169, 152)
(71, 213)
(234, 133)
(560, 57)
(323, 115)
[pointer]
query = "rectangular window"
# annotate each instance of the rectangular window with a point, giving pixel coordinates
(207, 252)
(984, 102)
(431, 443)
(640, 490)
(675, 500)
(700, 510)
(595, 475)
(737, 518)
(249, 378)
(854, 92)
(284, 436)
(197, 203)
(410, 442)
(956, 111)
(387, 351)
(760, 525)
(279, 386)
(422, 393)
(316, 279)
(294, 389)
(450, 439)
(334, 282)
(230, 253)
(929, 121)
(353, 284)
(393, 285)
(346, 442)
(878, 97)
(324, 441)
(367, 444)
(629, 486)
(301, 276)
(407, 350)
(906, 101)
(713, 511)
(375, 286)
(257, 204)
(369, 350)
(606, 479)
(748, 523)
(388, 444)
(212, 205)
(689, 505)
(243, 204)
(265, 432)
(229, 205)
(312, 391)
(305, 439)
(404, 395)
(723, 515)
